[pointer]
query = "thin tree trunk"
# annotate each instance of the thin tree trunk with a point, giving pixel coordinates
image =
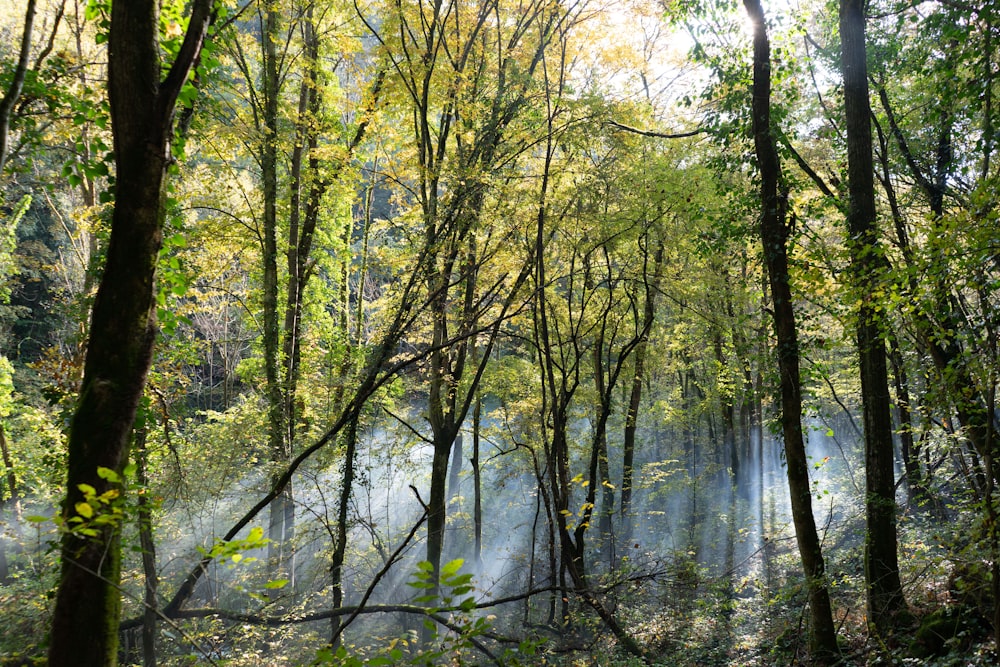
(302, 220)
(13, 91)
(651, 285)
(477, 485)
(340, 544)
(454, 489)
(907, 445)
(600, 453)
(774, 234)
(148, 546)
(12, 502)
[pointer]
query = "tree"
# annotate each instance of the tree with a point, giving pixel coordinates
(650, 284)
(123, 324)
(885, 592)
(17, 82)
(941, 319)
(774, 232)
(468, 72)
(12, 94)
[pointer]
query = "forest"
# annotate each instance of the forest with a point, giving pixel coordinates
(499, 332)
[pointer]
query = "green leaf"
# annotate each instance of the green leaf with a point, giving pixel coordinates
(459, 580)
(84, 510)
(87, 489)
(36, 518)
(277, 583)
(108, 474)
(451, 568)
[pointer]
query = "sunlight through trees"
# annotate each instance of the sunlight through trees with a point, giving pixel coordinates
(348, 332)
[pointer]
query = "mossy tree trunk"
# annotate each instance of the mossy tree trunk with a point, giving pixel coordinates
(123, 322)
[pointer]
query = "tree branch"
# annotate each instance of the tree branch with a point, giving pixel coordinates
(658, 135)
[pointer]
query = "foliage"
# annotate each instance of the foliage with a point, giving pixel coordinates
(473, 169)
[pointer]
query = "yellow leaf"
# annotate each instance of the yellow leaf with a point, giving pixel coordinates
(84, 510)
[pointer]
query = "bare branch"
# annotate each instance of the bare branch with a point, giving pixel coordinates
(658, 135)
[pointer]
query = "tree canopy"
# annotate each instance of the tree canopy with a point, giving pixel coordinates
(482, 331)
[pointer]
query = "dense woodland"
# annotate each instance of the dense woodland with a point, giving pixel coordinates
(517, 332)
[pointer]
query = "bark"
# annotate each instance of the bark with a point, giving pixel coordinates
(885, 593)
(774, 234)
(123, 321)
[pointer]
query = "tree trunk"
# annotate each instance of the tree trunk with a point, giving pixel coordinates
(13, 91)
(907, 445)
(13, 502)
(477, 485)
(885, 592)
(123, 322)
(651, 284)
(774, 234)
(454, 488)
(340, 544)
(600, 453)
(281, 513)
(148, 546)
